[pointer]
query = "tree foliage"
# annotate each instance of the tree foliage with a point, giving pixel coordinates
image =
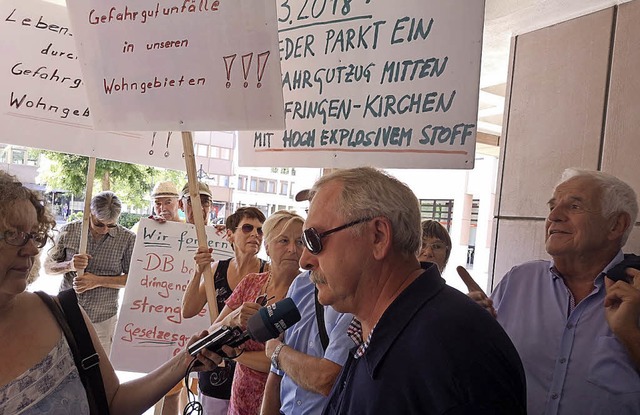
(131, 182)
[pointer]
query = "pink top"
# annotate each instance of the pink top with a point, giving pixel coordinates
(248, 384)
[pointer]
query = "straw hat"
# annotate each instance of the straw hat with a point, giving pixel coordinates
(164, 189)
(202, 187)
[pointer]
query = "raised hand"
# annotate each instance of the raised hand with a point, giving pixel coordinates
(475, 292)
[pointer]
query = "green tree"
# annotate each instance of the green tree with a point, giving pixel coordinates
(131, 182)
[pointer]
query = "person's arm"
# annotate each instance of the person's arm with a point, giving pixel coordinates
(195, 296)
(271, 398)
(89, 281)
(476, 293)
(135, 396)
(622, 310)
(315, 374)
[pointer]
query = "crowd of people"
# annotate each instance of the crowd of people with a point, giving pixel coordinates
(380, 331)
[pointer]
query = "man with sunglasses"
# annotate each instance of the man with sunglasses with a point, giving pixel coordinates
(421, 347)
(105, 264)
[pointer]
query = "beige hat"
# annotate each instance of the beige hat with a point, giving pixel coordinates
(303, 195)
(202, 187)
(164, 189)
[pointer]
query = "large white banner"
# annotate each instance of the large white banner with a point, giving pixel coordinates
(383, 83)
(150, 326)
(44, 103)
(180, 64)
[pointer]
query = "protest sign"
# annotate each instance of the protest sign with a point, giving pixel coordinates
(44, 104)
(389, 84)
(181, 65)
(150, 327)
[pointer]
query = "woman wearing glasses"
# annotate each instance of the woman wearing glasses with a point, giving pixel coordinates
(39, 374)
(283, 243)
(244, 232)
(436, 244)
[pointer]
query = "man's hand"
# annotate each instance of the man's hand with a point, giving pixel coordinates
(475, 292)
(240, 316)
(157, 218)
(80, 261)
(622, 305)
(86, 282)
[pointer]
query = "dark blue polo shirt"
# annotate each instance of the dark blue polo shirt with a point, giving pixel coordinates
(433, 351)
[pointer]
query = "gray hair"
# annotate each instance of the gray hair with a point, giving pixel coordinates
(617, 196)
(106, 207)
(275, 219)
(367, 193)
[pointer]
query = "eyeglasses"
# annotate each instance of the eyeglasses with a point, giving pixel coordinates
(203, 202)
(436, 246)
(99, 224)
(248, 228)
(313, 240)
(21, 238)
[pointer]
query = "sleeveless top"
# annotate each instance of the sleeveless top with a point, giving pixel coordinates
(52, 386)
(217, 383)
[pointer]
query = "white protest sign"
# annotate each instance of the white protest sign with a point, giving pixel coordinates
(44, 103)
(181, 65)
(382, 83)
(150, 327)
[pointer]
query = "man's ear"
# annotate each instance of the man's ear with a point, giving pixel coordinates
(618, 224)
(382, 237)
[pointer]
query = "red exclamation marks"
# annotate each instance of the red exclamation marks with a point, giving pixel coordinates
(228, 63)
(262, 63)
(246, 65)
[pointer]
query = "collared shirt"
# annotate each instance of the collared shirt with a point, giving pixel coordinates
(305, 337)
(110, 256)
(434, 351)
(573, 362)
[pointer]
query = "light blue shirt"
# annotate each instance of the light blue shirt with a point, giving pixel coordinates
(305, 337)
(573, 362)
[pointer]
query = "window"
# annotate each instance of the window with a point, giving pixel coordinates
(201, 150)
(32, 158)
(271, 186)
(225, 153)
(215, 152)
(242, 182)
(3, 154)
(224, 181)
(437, 209)
(262, 186)
(254, 184)
(284, 188)
(18, 156)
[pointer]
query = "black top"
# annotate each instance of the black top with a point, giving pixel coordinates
(433, 351)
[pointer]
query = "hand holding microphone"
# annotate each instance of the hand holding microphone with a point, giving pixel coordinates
(476, 293)
(266, 324)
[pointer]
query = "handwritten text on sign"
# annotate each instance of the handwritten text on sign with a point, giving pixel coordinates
(150, 327)
(393, 84)
(44, 103)
(180, 64)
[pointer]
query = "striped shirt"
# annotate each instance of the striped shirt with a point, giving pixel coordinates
(110, 256)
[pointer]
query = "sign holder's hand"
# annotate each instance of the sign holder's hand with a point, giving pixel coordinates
(476, 293)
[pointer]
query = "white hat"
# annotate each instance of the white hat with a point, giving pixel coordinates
(164, 189)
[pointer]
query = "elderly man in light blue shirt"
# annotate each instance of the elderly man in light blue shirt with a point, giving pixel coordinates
(302, 371)
(575, 329)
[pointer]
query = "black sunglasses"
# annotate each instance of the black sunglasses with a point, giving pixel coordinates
(248, 228)
(99, 224)
(313, 240)
(21, 238)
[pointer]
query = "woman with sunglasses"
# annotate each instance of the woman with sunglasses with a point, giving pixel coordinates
(436, 244)
(283, 243)
(244, 232)
(38, 373)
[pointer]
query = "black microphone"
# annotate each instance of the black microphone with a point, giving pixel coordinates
(266, 324)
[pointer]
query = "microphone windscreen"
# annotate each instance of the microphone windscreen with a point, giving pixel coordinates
(272, 320)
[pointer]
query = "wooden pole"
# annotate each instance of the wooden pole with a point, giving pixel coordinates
(196, 206)
(86, 216)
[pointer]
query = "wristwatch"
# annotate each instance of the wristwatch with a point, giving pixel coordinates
(274, 356)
